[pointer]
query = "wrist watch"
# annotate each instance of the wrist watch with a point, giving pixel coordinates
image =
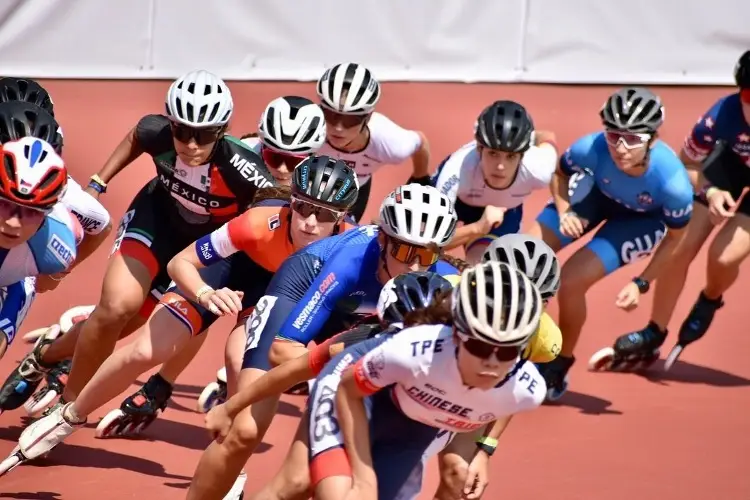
(487, 445)
(643, 285)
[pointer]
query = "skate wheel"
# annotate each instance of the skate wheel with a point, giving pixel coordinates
(209, 398)
(221, 375)
(10, 463)
(601, 359)
(73, 316)
(108, 425)
(34, 335)
(674, 354)
(39, 402)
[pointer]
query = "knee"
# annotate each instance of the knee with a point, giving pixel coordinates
(722, 258)
(244, 435)
(296, 482)
(117, 309)
(453, 473)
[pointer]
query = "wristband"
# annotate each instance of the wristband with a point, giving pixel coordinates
(202, 291)
(710, 190)
(487, 445)
(97, 184)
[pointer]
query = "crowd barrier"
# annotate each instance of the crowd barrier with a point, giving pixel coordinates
(571, 41)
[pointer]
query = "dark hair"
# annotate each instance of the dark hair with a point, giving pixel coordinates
(251, 135)
(273, 193)
(437, 313)
(459, 264)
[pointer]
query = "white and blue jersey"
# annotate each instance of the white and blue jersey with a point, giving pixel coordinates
(637, 210)
(51, 250)
(460, 177)
(317, 292)
(15, 301)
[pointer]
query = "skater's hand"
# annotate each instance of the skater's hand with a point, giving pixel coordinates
(222, 301)
(491, 218)
(571, 225)
(628, 297)
(477, 477)
(218, 422)
(721, 205)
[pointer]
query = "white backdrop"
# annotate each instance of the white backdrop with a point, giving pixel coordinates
(571, 41)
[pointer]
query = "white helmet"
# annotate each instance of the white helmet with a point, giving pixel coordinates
(419, 215)
(200, 99)
(532, 256)
(350, 89)
(293, 124)
(497, 304)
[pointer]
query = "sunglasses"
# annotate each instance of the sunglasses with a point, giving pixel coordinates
(322, 214)
(628, 139)
(275, 159)
(482, 350)
(9, 209)
(202, 136)
(346, 121)
(745, 96)
(407, 253)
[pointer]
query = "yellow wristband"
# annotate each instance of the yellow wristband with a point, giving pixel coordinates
(202, 291)
(98, 180)
(487, 441)
(710, 190)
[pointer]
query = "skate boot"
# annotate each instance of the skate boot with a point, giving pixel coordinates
(632, 352)
(695, 326)
(214, 393)
(555, 374)
(27, 376)
(67, 320)
(56, 379)
(138, 411)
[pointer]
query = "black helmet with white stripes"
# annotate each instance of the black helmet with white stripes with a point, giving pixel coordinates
(505, 126)
(349, 88)
(293, 124)
(326, 180)
(20, 119)
(409, 292)
(633, 109)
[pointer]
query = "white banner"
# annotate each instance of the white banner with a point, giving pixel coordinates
(546, 41)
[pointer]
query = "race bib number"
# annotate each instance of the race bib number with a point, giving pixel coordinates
(256, 322)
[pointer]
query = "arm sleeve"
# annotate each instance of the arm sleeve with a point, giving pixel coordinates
(579, 157)
(90, 213)
(394, 360)
(396, 144)
(334, 281)
(678, 200)
(541, 162)
(702, 138)
(236, 235)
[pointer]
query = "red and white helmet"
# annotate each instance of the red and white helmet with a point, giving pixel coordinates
(33, 175)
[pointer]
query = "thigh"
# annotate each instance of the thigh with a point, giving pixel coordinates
(586, 200)
(732, 244)
(626, 239)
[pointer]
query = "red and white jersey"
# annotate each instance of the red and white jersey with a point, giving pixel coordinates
(460, 177)
(421, 366)
(390, 144)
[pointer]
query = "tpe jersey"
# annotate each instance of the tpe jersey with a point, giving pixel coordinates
(389, 144)
(664, 187)
(724, 121)
(460, 177)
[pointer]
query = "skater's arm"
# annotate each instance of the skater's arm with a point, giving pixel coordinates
(272, 383)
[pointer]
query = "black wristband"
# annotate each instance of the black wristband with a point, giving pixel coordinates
(489, 450)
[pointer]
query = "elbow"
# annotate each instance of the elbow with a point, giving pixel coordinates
(173, 267)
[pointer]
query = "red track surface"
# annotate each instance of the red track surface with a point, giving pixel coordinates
(681, 435)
